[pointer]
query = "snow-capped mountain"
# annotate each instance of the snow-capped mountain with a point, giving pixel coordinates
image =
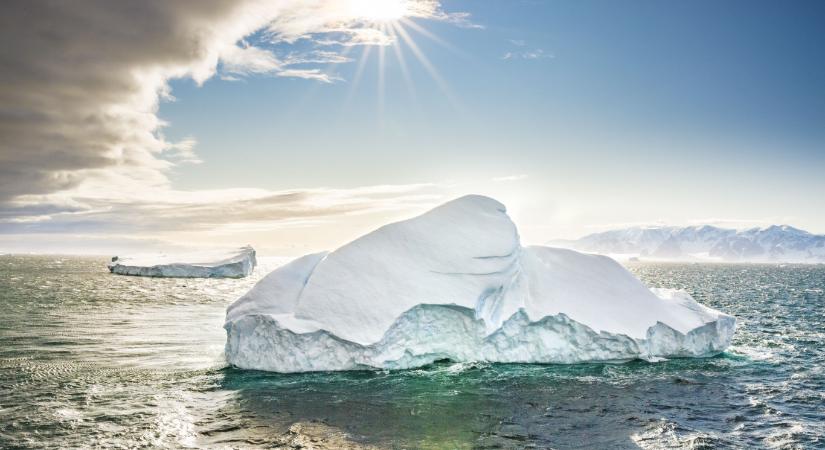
(776, 243)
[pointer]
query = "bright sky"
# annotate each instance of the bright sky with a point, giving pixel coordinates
(299, 125)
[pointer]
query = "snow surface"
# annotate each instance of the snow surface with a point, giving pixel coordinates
(455, 283)
(235, 263)
(776, 243)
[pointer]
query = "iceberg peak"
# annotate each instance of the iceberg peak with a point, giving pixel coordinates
(479, 203)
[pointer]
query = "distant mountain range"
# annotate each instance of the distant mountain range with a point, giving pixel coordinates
(776, 243)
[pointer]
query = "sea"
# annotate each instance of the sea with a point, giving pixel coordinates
(94, 360)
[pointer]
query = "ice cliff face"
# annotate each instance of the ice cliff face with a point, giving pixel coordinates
(236, 263)
(455, 283)
(776, 243)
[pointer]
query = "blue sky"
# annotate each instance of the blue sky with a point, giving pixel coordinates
(587, 114)
(695, 98)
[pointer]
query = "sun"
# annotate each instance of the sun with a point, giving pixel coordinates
(384, 25)
(380, 10)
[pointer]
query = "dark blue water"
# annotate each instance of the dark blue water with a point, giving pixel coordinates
(90, 360)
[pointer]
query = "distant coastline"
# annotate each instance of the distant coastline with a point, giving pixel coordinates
(705, 243)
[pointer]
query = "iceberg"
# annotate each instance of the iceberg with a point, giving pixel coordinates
(455, 283)
(235, 263)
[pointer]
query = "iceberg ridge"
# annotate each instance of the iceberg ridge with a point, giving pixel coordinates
(455, 283)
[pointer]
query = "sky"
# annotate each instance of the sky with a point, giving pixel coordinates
(297, 125)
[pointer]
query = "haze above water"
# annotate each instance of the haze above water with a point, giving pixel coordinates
(91, 359)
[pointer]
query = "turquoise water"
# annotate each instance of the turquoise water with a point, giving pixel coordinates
(88, 359)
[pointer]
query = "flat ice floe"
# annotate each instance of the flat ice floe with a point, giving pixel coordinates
(455, 283)
(235, 263)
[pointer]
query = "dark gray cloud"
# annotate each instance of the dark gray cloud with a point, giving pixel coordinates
(79, 84)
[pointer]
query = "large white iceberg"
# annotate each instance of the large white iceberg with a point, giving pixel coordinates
(455, 283)
(235, 263)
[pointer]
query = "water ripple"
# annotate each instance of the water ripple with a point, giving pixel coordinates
(94, 360)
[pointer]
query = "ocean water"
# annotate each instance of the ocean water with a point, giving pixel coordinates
(93, 360)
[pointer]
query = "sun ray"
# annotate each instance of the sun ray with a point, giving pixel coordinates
(382, 68)
(429, 67)
(347, 50)
(359, 71)
(432, 36)
(402, 62)
(330, 68)
(391, 22)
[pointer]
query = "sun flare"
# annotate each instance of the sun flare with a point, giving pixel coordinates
(389, 20)
(381, 10)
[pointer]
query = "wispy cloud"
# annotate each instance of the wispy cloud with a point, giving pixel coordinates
(743, 223)
(522, 52)
(317, 57)
(182, 152)
(460, 19)
(527, 54)
(309, 74)
(353, 37)
(508, 178)
(714, 221)
(162, 211)
(246, 59)
(617, 225)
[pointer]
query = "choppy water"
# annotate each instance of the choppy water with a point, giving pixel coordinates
(88, 359)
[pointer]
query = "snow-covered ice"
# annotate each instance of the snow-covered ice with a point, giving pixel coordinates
(455, 283)
(234, 263)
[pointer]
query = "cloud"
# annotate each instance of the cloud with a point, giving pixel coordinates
(743, 223)
(618, 225)
(527, 54)
(247, 59)
(309, 74)
(182, 151)
(81, 82)
(715, 221)
(460, 19)
(317, 57)
(287, 222)
(523, 53)
(165, 211)
(507, 178)
(347, 22)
